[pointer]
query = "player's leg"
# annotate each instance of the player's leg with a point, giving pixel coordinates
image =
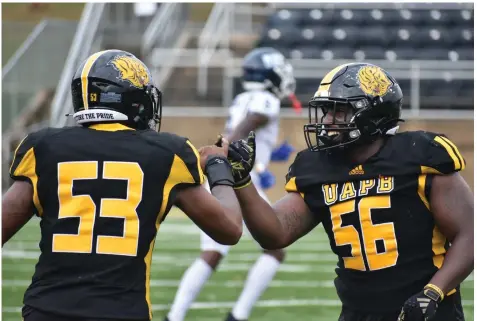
(258, 279)
(197, 275)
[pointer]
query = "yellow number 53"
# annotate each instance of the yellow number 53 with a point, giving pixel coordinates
(82, 206)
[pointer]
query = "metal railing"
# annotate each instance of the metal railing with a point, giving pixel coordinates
(217, 31)
(23, 48)
(79, 50)
(164, 38)
(36, 64)
(164, 28)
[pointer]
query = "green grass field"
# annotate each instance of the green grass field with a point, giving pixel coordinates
(302, 289)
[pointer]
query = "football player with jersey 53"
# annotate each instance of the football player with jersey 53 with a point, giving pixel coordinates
(267, 79)
(102, 190)
(391, 203)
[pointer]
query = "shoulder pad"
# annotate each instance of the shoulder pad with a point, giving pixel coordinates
(23, 166)
(437, 153)
(302, 172)
(185, 168)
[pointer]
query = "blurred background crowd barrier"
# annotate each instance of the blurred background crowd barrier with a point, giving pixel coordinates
(195, 53)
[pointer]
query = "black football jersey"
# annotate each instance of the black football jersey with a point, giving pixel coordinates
(102, 193)
(377, 216)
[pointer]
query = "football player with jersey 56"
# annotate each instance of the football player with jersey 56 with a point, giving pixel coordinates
(267, 79)
(102, 190)
(391, 203)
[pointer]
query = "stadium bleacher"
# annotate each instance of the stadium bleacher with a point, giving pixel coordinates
(380, 34)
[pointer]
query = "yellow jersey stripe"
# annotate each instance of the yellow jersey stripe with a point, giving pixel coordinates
(456, 150)
(15, 154)
(450, 151)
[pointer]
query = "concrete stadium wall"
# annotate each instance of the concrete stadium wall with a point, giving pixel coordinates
(203, 131)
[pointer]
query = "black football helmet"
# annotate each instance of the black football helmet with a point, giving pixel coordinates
(266, 68)
(368, 100)
(115, 86)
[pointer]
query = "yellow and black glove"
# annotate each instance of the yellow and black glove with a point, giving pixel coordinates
(241, 156)
(423, 305)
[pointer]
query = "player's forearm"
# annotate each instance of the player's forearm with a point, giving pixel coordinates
(252, 122)
(240, 132)
(17, 209)
(458, 263)
(227, 198)
(260, 218)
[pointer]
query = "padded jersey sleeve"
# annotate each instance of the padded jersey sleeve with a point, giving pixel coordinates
(23, 166)
(186, 165)
(442, 156)
(292, 176)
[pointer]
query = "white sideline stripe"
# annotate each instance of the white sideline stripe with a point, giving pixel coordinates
(229, 284)
(180, 229)
(185, 260)
(179, 261)
(259, 304)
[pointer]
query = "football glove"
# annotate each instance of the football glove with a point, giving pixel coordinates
(241, 156)
(423, 305)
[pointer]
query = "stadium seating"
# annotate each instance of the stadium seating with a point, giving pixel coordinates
(389, 34)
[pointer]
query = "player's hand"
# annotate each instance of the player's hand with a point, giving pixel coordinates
(423, 305)
(242, 158)
(213, 150)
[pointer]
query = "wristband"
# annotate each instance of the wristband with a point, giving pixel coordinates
(436, 289)
(218, 171)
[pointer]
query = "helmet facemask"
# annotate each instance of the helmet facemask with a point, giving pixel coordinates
(287, 85)
(331, 124)
(149, 113)
(342, 123)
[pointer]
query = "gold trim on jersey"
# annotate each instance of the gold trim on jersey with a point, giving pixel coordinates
(27, 168)
(429, 170)
(15, 154)
(84, 75)
(291, 187)
(438, 239)
(421, 190)
(456, 150)
(178, 174)
(453, 152)
(112, 127)
(148, 261)
(199, 169)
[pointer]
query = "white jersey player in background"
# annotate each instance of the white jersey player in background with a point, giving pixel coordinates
(267, 78)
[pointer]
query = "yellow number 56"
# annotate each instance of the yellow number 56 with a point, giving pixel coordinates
(82, 206)
(348, 235)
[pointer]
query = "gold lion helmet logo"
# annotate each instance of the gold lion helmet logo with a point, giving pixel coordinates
(132, 70)
(373, 81)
